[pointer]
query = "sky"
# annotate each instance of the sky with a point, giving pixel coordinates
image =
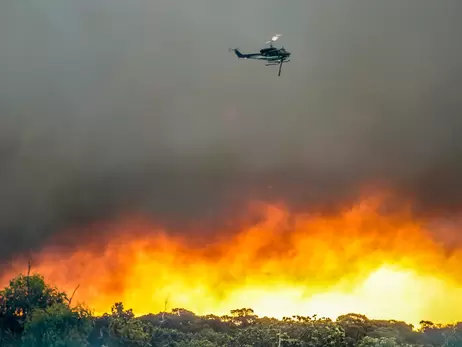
(115, 107)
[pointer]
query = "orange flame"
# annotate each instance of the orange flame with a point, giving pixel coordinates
(362, 261)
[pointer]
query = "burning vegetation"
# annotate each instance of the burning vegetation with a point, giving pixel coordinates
(367, 259)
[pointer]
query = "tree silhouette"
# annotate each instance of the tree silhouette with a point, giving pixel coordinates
(35, 314)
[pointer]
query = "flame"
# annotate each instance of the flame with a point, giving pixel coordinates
(363, 261)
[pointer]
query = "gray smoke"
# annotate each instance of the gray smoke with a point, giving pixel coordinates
(110, 107)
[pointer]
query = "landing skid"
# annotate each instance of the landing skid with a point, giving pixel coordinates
(278, 63)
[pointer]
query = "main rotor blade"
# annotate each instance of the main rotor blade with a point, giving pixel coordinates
(274, 38)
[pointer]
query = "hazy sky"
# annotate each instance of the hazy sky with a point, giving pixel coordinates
(115, 105)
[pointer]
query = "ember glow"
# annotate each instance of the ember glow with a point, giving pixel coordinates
(362, 260)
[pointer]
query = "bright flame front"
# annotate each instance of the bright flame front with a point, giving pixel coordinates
(383, 266)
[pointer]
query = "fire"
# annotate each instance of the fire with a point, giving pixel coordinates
(361, 260)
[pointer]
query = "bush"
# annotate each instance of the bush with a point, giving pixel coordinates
(58, 326)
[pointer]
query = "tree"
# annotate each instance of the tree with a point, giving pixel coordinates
(23, 295)
(356, 327)
(243, 317)
(382, 342)
(125, 330)
(315, 332)
(257, 336)
(58, 325)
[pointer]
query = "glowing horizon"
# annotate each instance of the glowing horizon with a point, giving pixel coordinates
(382, 266)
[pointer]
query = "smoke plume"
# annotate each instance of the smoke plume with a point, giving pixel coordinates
(111, 107)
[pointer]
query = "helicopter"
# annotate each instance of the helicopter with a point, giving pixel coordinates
(272, 55)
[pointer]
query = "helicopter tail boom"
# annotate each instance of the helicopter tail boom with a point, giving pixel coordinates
(238, 53)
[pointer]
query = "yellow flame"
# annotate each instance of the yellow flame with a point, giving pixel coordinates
(361, 261)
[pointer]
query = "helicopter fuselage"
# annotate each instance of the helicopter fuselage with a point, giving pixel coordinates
(268, 54)
(272, 55)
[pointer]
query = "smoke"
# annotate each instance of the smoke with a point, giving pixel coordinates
(109, 107)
